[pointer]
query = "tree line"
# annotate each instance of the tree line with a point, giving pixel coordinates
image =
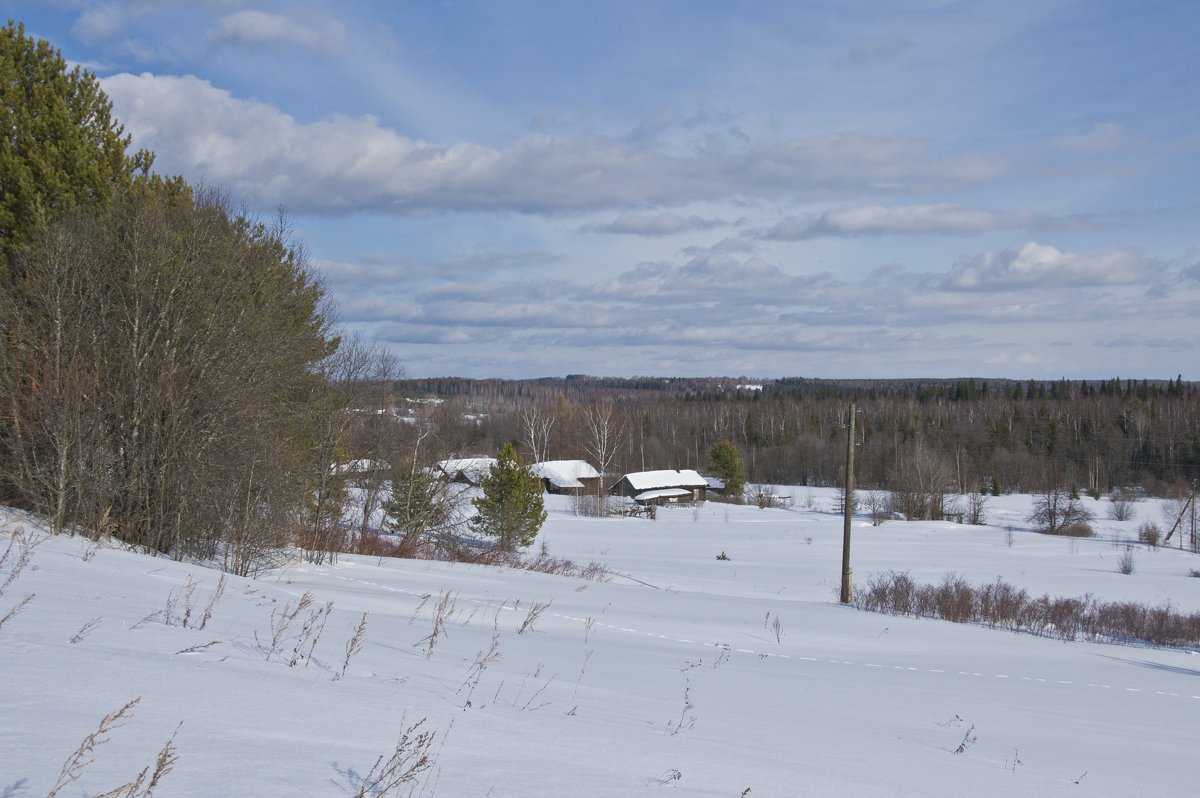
(962, 436)
(170, 372)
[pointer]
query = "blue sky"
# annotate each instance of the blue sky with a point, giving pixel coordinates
(921, 188)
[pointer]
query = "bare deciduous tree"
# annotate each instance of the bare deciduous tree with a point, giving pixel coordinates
(1056, 511)
(920, 483)
(153, 339)
(538, 423)
(604, 433)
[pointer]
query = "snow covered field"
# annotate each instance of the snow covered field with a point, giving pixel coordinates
(683, 674)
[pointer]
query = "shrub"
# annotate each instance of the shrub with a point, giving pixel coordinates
(1080, 529)
(1002, 605)
(1150, 534)
(767, 497)
(1122, 508)
(1125, 563)
(955, 600)
(1055, 512)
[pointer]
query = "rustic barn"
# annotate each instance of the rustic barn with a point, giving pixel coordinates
(468, 470)
(662, 487)
(572, 477)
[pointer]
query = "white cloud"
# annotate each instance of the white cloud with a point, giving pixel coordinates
(719, 310)
(1033, 264)
(653, 224)
(99, 22)
(257, 27)
(875, 220)
(1104, 137)
(341, 164)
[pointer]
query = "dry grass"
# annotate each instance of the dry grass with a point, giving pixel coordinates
(354, 644)
(535, 611)
(376, 545)
(443, 612)
(409, 759)
(17, 555)
(141, 787)
(304, 639)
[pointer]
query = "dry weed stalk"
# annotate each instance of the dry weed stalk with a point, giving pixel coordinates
(773, 625)
(536, 693)
(686, 719)
(666, 778)
(496, 615)
(85, 630)
(308, 634)
(72, 769)
(443, 612)
(475, 673)
(17, 609)
(420, 606)
(587, 656)
(189, 594)
(17, 555)
(141, 787)
(354, 644)
(409, 759)
(535, 612)
(199, 647)
(212, 602)
(968, 740)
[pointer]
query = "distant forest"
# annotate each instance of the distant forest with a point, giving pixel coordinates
(975, 436)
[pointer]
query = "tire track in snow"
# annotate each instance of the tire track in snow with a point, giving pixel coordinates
(778, 655)
(904, 668)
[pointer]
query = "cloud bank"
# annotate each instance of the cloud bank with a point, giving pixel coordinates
(342, 163)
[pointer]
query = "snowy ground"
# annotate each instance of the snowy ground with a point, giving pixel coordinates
(671, 678)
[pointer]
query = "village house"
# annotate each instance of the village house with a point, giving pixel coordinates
(467, 470)
(570, 477)
(662, 487)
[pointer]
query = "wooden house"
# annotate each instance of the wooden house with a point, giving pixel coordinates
(571, 477)
(467, 470)
(662, 487)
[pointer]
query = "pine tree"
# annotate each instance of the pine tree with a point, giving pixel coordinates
(59, 145)
(419, 505)
(728, 465)
(511, 509)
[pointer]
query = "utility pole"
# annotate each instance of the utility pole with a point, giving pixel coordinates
(848, 509)
(1193, 515)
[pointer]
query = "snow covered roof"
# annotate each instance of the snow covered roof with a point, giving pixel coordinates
(664, 493)
(652, 480)
(565, 473)
(359, 466)
(472, 468)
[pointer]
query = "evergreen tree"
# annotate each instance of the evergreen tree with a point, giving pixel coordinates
(59, 145)
(419, 505)
(511, 509)
(728, 465)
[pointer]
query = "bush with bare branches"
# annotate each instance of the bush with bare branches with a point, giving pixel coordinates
(1002, 605)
